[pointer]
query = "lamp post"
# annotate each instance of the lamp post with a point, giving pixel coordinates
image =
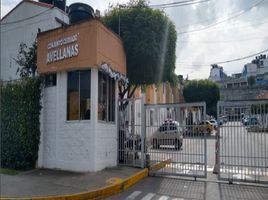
(119, 19)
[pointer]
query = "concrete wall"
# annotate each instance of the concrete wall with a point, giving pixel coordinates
(15, 30)
(81, 146)
(245, 93)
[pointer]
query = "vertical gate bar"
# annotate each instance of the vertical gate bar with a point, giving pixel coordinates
(118, 132)
(205, 142)
(217, 165)
(265, 135)
(143, 133)
(132, 124)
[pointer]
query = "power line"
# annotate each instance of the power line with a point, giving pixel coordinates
(178, 4)
(21, 20)
(222, 62)
(186, 25)
(219, 41)
(224, 20)
(242, 58)
(235, 26)
(172, 3)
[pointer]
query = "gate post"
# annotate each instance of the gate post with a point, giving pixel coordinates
(217, 144)
(143, 132)
(205, 138)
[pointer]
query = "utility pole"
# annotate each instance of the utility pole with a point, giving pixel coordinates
(119, 19)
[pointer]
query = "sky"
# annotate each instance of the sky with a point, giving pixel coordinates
(208, 32)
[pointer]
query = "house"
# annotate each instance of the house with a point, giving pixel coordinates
(21, 25)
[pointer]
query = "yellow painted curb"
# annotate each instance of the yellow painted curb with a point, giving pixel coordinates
(95, 194)
(160, 165)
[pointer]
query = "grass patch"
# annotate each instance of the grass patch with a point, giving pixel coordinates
(8, 171)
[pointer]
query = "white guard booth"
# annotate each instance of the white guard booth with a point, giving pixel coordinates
(82, 64)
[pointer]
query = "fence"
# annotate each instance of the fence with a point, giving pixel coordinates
(242, 150)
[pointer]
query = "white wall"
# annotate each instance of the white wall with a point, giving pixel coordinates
(106, 137)
(22, 26)
(215, 74)
(66, 145)
(251, 69)
(75, 145)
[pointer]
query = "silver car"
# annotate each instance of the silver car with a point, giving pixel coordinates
(169, 133)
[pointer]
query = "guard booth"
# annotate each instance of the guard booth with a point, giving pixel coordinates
(82, 64)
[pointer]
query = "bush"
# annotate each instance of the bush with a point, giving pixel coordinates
(20, 125)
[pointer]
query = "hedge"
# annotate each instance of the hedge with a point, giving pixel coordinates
(20, 125)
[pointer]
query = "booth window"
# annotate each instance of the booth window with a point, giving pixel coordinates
(106, 98)
(78, 97)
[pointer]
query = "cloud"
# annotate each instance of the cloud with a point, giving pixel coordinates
(198, 50)
(238, 37)
(7, 5)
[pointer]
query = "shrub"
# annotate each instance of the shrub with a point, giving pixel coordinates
(20, 125)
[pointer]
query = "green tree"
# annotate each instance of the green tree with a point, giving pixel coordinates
(26, 60)
(149, 38)
(203, 90)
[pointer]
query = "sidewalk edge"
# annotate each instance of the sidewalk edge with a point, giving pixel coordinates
(101, 193)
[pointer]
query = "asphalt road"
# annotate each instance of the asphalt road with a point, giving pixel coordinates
(156, 188)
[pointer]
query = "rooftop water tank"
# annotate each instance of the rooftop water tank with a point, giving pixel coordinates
(79, 12)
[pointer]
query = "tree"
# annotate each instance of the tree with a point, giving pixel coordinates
(203, 90)
(26, 60)
(149, 39)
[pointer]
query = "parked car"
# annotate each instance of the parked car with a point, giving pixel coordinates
(169, 133)
(204, 127)
(243, 119)
(214, 123)
(250, 121)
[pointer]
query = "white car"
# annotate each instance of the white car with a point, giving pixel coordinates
(214, 123)
(169, 133)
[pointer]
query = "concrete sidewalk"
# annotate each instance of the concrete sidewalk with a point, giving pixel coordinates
(44, 182)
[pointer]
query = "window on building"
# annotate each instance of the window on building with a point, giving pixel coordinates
(78, 95)
(106, 98)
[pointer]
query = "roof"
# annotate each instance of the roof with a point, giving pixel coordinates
(29, 1)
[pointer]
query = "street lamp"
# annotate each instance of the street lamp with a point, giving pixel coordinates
(119, 20)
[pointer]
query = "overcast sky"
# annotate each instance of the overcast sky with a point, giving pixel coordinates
(241, 29)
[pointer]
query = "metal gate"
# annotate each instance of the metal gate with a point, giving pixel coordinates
(242, 141)
(130, 132)
(176, 135)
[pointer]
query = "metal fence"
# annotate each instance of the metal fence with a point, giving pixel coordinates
(131, 133)
(176, 133)
(242, 141)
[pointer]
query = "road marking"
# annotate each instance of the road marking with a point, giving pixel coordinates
(163, 198)
(133, 195)
(148, 196)
(190, 168)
